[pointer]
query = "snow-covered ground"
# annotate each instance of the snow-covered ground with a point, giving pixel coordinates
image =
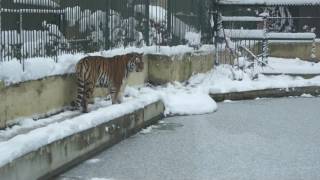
(225, 79)
(191, 97)
(291, 66)
(179, 99)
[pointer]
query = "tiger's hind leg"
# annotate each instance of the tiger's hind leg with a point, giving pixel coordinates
(80, 95)
(88, 92)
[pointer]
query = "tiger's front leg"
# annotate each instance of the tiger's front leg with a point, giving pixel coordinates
(119, 98)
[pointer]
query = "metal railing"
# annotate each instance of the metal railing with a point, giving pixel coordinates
(257, 39)
(49, 28)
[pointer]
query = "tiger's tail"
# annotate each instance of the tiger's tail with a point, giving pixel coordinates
(80, 87)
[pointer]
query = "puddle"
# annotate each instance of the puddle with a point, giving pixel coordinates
(166, 126)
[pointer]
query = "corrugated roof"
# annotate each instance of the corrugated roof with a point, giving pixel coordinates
(271, 2)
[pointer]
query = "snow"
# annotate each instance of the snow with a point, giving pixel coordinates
(35, 68)
(194, 39)
(291, 66)
(306, 95)
(242, 18)
(191, 97)
(33, 140)
(224, 79)
(92, 161)
(259, 34)
(271, 2)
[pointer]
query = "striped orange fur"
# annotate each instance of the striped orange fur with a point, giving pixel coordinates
(106, 72)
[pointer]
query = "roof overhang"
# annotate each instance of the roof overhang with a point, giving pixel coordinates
(270, 2)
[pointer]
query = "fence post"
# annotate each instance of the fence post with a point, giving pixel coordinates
(265, 45)
(19, 46)
(1, 53)
(169, 17)
(147, 20)
(107, 29)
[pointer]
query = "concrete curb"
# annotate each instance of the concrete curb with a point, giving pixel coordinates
(63, 154)
(267, 93)
(305, 76)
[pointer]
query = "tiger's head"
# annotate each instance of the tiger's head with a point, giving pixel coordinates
(135, 62)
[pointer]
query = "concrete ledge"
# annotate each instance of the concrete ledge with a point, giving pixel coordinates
(293, 50)
(267, 93)
(61, 155)
(305, 76)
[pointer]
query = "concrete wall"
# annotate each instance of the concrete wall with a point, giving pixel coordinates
(61, 155)
(163, 69)
(293, 50)
(49, 94)
(53, 93)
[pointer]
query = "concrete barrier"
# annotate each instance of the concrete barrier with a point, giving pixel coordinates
(50, 94)
(293, 50)
(63, 154)
(163, 69)
(267, 93)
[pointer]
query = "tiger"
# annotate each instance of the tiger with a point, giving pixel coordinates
(111, 73)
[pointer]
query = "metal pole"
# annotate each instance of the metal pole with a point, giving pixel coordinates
(21, 40)
(146, 22)
(107, 28)
(1, 53)
(265, 47)
(169, 16)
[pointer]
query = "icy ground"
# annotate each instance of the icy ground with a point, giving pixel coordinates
(266, 139)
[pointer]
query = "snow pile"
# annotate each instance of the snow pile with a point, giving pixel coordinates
(185, 100)
(194, 39)
(224, 79)
(189, 104)
(293, 66)
(35, 68)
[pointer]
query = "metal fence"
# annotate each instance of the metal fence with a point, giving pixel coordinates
(48, 28)
(262, 33)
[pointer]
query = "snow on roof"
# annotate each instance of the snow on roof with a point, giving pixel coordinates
(259, 34)
(242, 18)
(270, 2)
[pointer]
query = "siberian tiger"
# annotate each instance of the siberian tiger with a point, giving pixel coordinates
(106, 72)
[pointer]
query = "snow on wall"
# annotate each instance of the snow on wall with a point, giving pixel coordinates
(242, 18)
(48, 3)
(259, 34)
(35, 68)
(271, 2)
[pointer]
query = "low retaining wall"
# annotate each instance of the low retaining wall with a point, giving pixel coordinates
(53, 93)
(293, 50)
(163, 69)
(61, 155)
(267, 93)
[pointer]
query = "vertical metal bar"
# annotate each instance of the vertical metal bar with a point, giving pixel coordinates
(146, 22)
(169, 17)
(265, 40)
(107, 29)
(20, 40)
(1, 35)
